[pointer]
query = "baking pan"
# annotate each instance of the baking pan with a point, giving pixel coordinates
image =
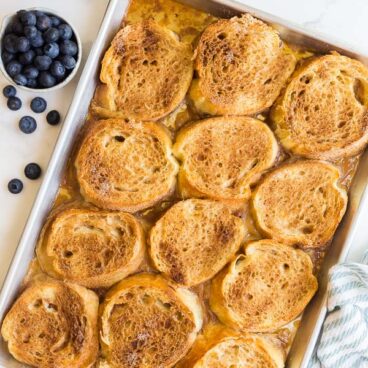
(313, 316)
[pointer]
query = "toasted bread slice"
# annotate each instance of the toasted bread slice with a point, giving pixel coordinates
(90, 247)
(242, 66)
(264, 289)
(323, 111)
(147, 72)
(147, 321)
(300, 203)
(53, 324)
(220, 347)
(124, 166)
(222, 156)
(194, 240)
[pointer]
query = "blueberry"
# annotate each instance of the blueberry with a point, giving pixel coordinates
(10, 43)
(65, 31)
(68, 61)
(38, 51)
(53, 117)
(37, 41)
(30, 72)
(42, 62)
(30, 32)
(20, 79)
(26, 58)
(17, 27)
(13, 68)
(51, 35)
(23, 44)
(38, 13)
(14, 103)
(57, 69)
(38, 105)
(46, 80)
(32, 171)
(9, 91)
(28, 18)
(7, 56)
(43, 22)
(51, 50)
(27, 124)
(55, 21)
(15, 186)
(68, 47)
(32, 83)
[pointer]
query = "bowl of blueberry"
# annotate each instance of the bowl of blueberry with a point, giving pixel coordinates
(39, 50)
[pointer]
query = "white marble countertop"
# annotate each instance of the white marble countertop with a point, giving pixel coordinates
(342, 19)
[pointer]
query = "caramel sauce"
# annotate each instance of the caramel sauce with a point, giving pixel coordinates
(188, 23)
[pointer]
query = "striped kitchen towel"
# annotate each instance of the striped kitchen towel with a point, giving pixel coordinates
(344, 337)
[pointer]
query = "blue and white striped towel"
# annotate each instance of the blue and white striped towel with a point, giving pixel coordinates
(344, 338)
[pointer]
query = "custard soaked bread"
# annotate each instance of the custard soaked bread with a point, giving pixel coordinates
(242, 65)
(53, 324)
(221, 157)
(194, 240)
(126, 166)
(264, 289)
(300, 203)
(90, 247)
(147, 72)
(147, 321)
(323, 111)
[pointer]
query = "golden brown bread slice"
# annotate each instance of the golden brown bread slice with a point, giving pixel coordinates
(242, 66)
(90, 247)
(221, 347)
(53, 324)
(323, 111)
(194, 240)
(222, 156)
(264, 289)
(147, 72)
(124, 166)
(147, 321)
(300, 203)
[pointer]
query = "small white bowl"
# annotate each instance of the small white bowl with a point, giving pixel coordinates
(6, 22)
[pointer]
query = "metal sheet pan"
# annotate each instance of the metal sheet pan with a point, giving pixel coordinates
(313, 317)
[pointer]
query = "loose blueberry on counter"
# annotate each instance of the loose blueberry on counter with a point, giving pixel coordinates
(43, 22)
(65, 31)
(57, 69)
(32, 171)
(51, 50)
(15, 186)
(30, 32)
(68, 47)
(28, 18)
(68, 61)
(13, 68)
(38, 104)
(26, 58)
(27, 124)
(46, 80)
(9, 91)
(42, 62)
(20, 79)
(14, 103)
(53, 117)
(31, 72)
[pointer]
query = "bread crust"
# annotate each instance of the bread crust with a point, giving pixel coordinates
(242, 65)
(147, 72)
(221, 157)
(322, 113)
(148, 321)
(264, 289)
(53, 324)
(194, 240)
(126, 166)
(300, 203)
(90, 247)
